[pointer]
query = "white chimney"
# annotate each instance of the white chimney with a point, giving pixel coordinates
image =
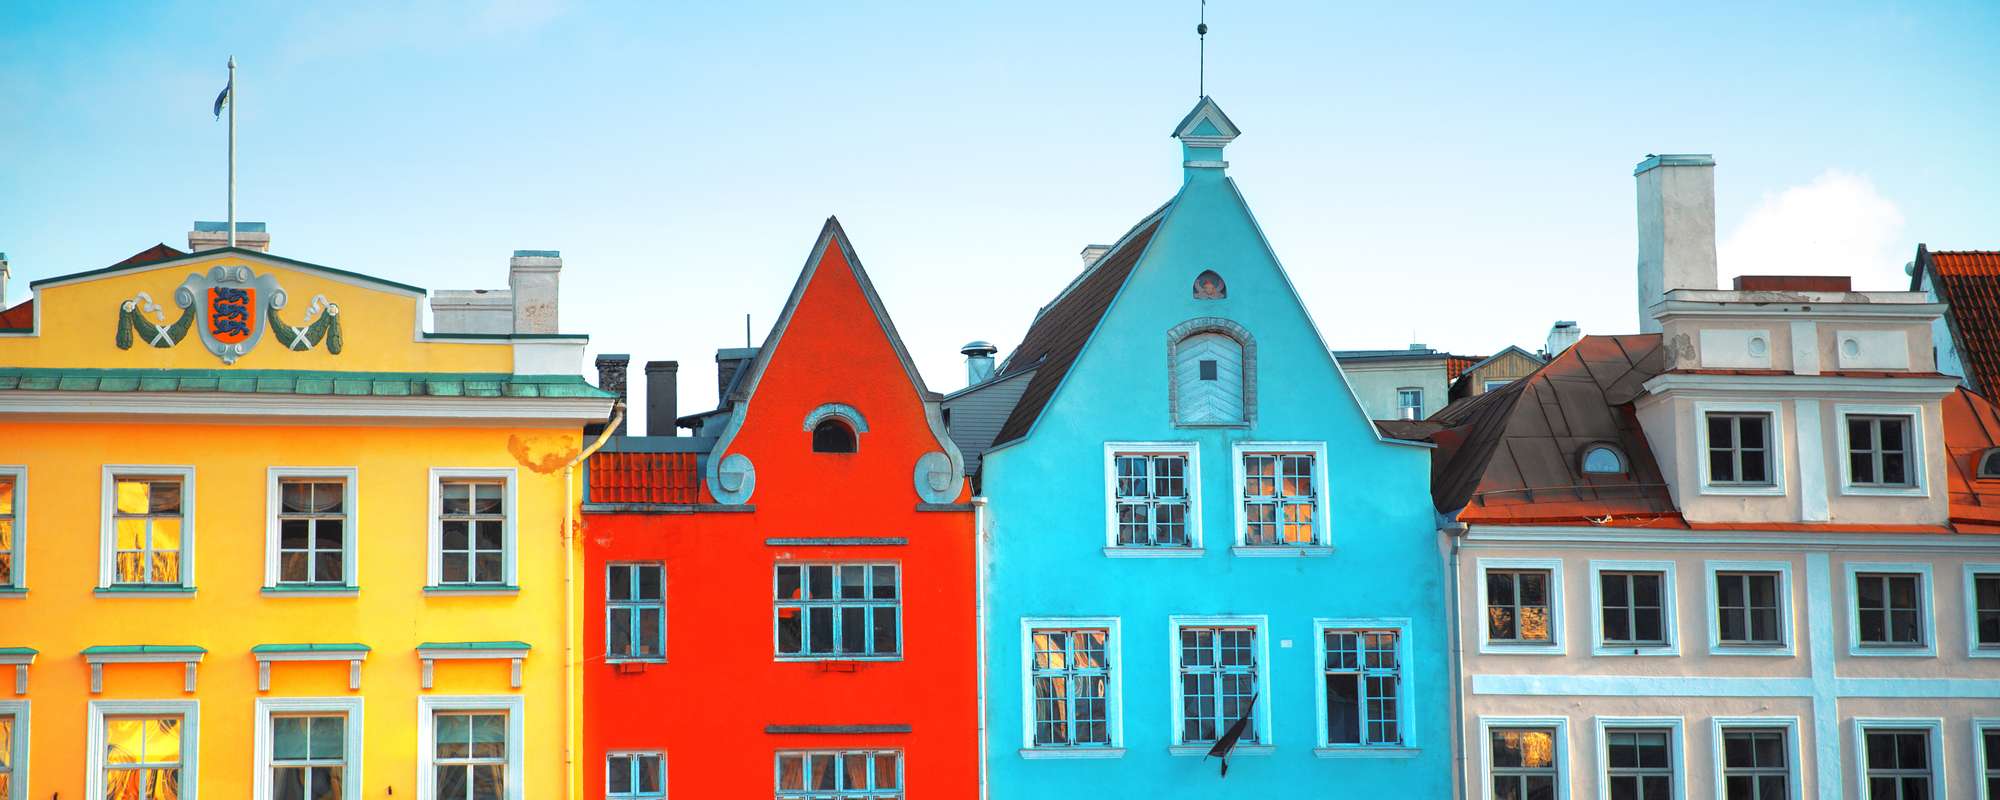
(472, 311)
(1676, 228)
(1561, 335)
(4, 275)
(532, 277)
(1093, 252)
(978, 361)
(215, 235)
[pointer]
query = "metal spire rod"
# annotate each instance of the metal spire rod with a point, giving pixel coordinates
(1201, 32)
(232, 151)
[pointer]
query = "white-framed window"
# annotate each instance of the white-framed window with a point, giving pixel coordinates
(635, 775)
(473, 513)
(1070, 688)
(144, 749)
(838, 611)
(1524, 758)
(1281, 497)
(1634, 604)
(1986, 756)
(1641, 758)
(309, 748)
(1889, 610)
(635, 611)
(840, 775)
(1899, 758)
(1982, 611)
(1218, 672)
(1756, 758)
(14, 724)
(1494, 383)
(1522, 602)
(310, 528)
(1749, 607)
(1410, 403)
(1152, 496)
(1602, 459)
(1742, 448)
(469, 747)
(13, 532)
(148, 514)
(1363, 688)
(1882, 449)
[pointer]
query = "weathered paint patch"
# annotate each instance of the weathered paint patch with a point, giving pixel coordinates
(543, 454)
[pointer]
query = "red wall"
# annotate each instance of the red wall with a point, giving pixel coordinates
(708, 705)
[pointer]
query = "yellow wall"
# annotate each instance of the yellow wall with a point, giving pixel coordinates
(79, 323)
(228, 614)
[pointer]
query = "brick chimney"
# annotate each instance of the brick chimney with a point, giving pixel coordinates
(208, 235)
(533, 276)
(611, 378)
(1676, 228)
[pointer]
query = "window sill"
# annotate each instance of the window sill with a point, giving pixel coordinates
(1631, 650)
(13, 591)
(1782, 650)
(1522, 649)
(1892, 651)
(143, 591)
(493, 590)
(1154, 552)
(832, 661)
(1367, 751)
(1281, 551)
(311, 591)
(1071, 753)
(1740, 491)
(1239, 750)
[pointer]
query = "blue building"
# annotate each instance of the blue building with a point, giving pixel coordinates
(1190, 519)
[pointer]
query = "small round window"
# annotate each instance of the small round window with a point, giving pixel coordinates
(833, 436)
(1603, 459)
(1989, 464)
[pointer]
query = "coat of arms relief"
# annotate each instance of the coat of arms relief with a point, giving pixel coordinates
(229, 307)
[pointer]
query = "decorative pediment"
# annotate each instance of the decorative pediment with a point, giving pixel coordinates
(1206, 126)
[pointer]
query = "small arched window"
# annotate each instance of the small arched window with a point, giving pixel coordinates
(1209, 286)
(1989, 464)
(833, 436)
(1603, 459)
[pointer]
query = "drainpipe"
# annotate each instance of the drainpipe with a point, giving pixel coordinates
(979, 516)
(1455, 531)
(569, 596)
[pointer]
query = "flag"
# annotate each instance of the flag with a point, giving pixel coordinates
(222, 99)
(1229, 738)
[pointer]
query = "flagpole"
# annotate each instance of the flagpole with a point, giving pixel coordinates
(232, 151)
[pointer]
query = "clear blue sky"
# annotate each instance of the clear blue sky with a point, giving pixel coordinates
(1460, 175)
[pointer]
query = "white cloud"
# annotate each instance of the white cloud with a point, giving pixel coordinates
(1835, 225)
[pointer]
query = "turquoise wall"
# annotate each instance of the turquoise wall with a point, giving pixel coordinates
(1047, 534)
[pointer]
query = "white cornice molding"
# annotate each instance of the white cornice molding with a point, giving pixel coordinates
(1739, 539)
(1819, 386)
(1817, 307)
(247, 407)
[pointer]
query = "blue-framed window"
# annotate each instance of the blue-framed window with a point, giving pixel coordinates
(635, 612)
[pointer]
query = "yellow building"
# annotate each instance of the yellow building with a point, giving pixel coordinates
(264, 536)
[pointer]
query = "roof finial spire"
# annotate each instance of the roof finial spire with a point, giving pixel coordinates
(1201, 69)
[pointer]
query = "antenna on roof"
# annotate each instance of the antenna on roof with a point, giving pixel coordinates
(1201, 69)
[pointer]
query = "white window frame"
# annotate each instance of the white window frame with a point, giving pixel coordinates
(634, 794)
(1980, 727)
(1260, 714)
(18, 581)
(1562, 757)
(1917, 463)
(1787, 641)
(1676, 749)
(613, 607)
(23, 715)
(188, 710)
(510, 559)
(428, 707)
(1558, 643)
(107, 549)
(1405, 689)
(1403, 408)
(1114, 700)
(1860, 727)
(1972, 646)
(1794, 769)
(1322, 522)
(350, 478)
(1669, 608)
(1489, 384)
(351, 779)
(1192, 451)
(1780, 423)
(1926, 613)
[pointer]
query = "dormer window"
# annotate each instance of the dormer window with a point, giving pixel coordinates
(1603, 459)
(1883, 450)
(1739, 449)
(833, 436)
(1989, 464)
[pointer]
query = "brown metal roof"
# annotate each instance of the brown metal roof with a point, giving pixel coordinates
(1515, 453)
(1059, 332)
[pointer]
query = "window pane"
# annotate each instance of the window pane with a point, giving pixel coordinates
(453, 733)
(618, 774)
(288, 737)
(885, 582)
(619, 583)
(328, 737)
(489, 736)
(1343, 709)
(651, 580)
(885, 631)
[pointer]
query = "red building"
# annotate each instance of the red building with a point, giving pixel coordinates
(783, 604)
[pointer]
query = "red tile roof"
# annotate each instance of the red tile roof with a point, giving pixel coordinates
(158, 252)
(1971, 427)
(1969, 281)
(644, 478)
(1455, 366)
(20, 316)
